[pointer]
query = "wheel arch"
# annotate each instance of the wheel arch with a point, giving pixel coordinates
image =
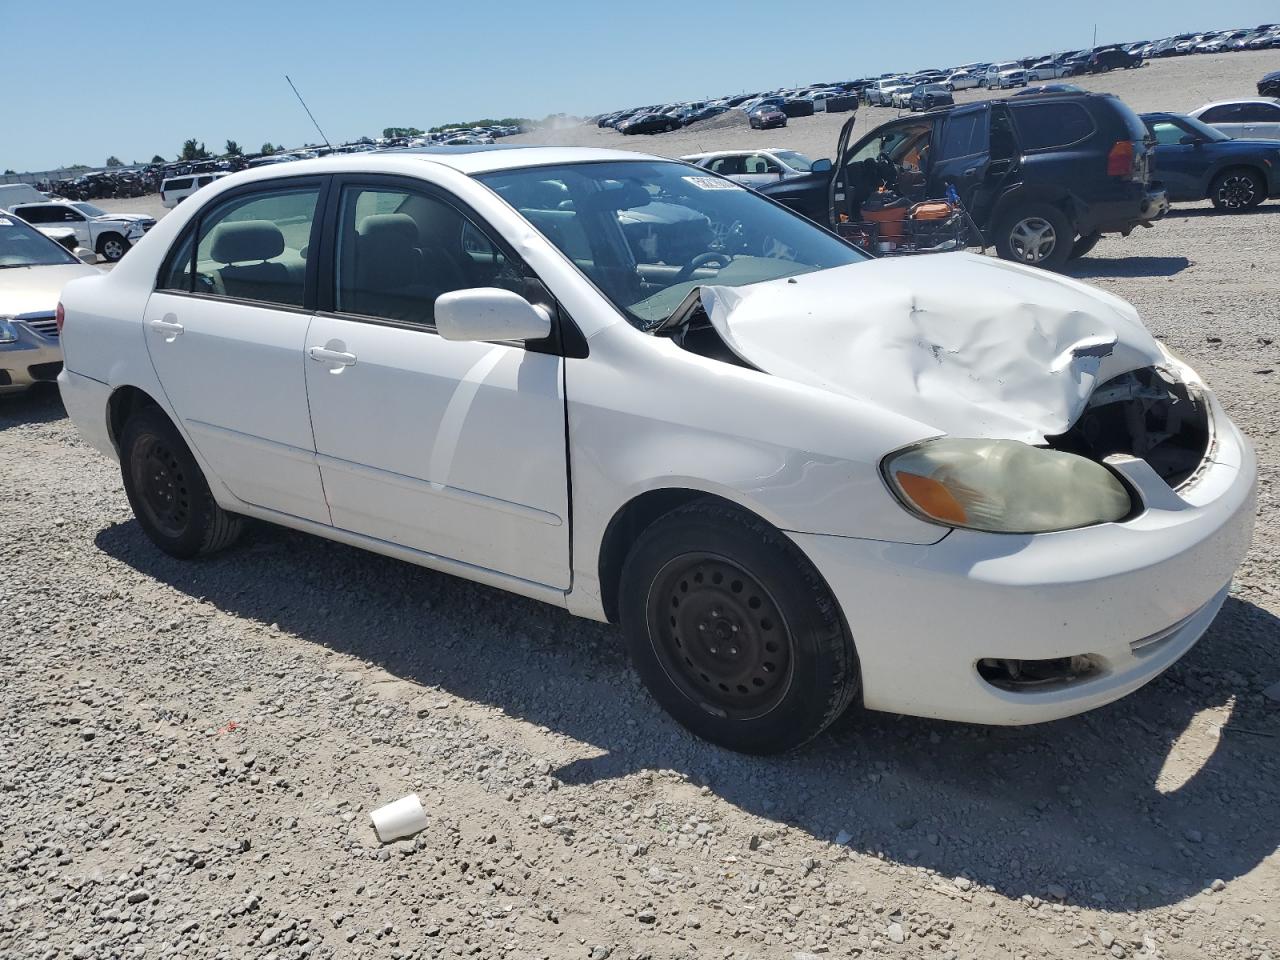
(1230, 166)
(124, 402)
(1055, 196)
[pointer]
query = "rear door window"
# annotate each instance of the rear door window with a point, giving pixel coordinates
(1259, 113)
(965, 134)
(1226, 113)
(1044, 125)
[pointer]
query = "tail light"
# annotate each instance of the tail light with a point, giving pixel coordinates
(60, 317)
(1120, 159)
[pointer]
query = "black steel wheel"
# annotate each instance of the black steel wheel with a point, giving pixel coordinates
(733, 631)
(1236, 190)
(168, 491)
(720, 636)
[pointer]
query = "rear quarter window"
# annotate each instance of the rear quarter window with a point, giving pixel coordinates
(1044, 125)
(182, 184)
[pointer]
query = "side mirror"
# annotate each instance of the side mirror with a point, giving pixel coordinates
(820, 166)
(1189, 141)
(489, 313)
(85, 255)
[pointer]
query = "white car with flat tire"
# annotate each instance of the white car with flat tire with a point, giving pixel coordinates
(800, 478)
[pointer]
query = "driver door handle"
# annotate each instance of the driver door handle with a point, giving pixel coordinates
(169, 328)
(325, 355)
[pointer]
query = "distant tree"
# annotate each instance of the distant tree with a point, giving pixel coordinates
(267, 149)
(504, 122)
(77, 166)
(158, 159)
(191, 150)
(233, 149)
(11, 171)
(401, 132)
(114, 161)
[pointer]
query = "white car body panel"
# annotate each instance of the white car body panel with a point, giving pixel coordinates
(800, 447)
(1046, 71)
(768, 154)
(1261, 129)
(962, 80)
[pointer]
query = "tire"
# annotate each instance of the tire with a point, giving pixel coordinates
(1237, 190)
(167, 490)
(112, 246)
(734, 632)
(1037, 234)
(1085, 244)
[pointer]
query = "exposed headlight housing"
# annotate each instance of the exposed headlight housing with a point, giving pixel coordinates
(8, 332)
(1004, 486)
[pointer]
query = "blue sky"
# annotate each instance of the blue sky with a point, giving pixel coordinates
(137, 78)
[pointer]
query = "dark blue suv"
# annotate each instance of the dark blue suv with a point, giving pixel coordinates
(1198, 162)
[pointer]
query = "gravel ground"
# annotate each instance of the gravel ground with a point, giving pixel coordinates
(189, 751)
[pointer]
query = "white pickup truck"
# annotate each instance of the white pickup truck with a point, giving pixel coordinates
(110, 235)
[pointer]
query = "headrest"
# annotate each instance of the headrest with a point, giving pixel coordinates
(243, 240)
(386, 227)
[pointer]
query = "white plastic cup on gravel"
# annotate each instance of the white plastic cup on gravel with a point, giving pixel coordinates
(400, 819)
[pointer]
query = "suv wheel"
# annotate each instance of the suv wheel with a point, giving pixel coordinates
(1237, 190)
(167, 491)
(1038, 234)
(734, 632)
(112, 247)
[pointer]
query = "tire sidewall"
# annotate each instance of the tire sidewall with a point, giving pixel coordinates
(1259, 190)
(810, 701)
(151, 422)
(110, 238)
(1063, 245)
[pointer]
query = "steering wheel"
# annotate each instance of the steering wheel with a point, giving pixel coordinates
(887, 170)
(687, 270)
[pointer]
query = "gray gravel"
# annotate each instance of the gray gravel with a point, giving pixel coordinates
(189, 751)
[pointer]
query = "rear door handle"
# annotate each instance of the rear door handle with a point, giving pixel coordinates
(325, 355)
(170, 328)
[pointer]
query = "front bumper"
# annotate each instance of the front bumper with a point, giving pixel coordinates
(1132, 596)
(32, 359)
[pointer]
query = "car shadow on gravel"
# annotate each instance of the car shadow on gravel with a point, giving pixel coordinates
(41, 404)
(1090, 268)
(1090, 810)
(1265, 209)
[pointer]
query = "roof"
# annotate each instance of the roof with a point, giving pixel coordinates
(732, 153)
(1272, 101)
(467, 159)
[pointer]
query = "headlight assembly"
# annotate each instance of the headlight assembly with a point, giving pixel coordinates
(1004, 486)
(8, 332)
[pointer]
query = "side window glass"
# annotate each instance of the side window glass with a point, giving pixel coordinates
(1167, 133)
(1229, 113)
(33, 214)
(1259, 113)
(71, 215)
(255, 247)
(965, 135)
(398, 250)
(1051, 125)
(178, 272)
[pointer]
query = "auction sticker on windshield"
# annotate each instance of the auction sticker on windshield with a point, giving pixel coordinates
(712, 183)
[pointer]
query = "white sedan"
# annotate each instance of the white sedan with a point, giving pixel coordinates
(1250, 118)
(962, 80)
(798, 477)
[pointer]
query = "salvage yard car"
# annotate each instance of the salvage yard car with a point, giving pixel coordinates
(33, 270)
(1042, 177)
(110, 235)
(754, 168)
(798, 477)
(1197, 161)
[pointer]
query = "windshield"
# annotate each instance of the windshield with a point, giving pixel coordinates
(647, 232)
(89, 210)
(24, 246)
(796, 161)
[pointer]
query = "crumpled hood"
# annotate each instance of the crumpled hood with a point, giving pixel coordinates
(969, 345)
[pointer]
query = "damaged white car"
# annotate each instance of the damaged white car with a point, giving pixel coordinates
(798, 477)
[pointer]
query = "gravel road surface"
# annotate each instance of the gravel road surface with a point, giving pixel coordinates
(189, 751)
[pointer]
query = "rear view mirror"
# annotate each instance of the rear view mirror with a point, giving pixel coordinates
(489, 313)
(820, 166)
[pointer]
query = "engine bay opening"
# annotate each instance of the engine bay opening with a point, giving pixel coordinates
(1027, 675)
(1147, 414)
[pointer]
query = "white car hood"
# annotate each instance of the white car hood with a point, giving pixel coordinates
(969, 345)
(35, 290)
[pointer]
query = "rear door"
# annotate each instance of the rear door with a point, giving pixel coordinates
(1227, 117)
(452, 448)
(1261, 121)
(962, 156)
(226, 328)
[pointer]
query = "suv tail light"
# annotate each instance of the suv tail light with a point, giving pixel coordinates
(60, 317)
(1120, 159)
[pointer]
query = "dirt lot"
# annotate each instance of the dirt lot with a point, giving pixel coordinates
(189, 752)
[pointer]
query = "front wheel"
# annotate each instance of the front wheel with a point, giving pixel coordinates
(167, 490)
(733, 630)
(112, 247)
(1037, 234)
(1236, 190)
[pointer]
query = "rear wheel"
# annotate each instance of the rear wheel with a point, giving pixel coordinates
(734, 632)
(1237, 190)
(167, 490)
(1037, 234)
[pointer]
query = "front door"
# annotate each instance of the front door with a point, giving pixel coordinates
(1180, 166)
(455, 449)
(225, 329)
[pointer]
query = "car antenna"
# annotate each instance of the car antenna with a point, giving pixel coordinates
(309, 113)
